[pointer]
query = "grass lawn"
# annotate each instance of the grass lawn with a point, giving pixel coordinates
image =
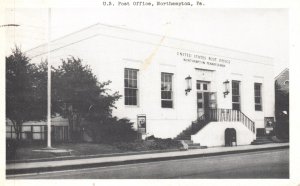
(24, 152)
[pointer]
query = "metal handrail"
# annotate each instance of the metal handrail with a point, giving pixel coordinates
(217, 115)
(230, 115)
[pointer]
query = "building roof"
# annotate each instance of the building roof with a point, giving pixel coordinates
(282, 80)
(105, 30)
(283, 73)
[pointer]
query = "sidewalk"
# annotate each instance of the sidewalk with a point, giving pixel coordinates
(29, 167)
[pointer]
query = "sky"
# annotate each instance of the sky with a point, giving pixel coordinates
(258, 31)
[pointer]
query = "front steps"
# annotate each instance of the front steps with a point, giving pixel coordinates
(195, 127)
(261, 140)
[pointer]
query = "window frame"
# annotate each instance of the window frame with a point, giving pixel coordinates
(237, 95)
(171, 90)
(131, 88)
(201, 84)
(258, 96)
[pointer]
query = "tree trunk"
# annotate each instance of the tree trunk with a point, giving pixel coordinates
(18, 129)
(75, 127)
(70, 118)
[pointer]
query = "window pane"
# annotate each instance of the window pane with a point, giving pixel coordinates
(204, 86)
(134, 93)
(200, 105)
(257, 99)
(163, 95)
(198, 86)
(235, 84)
(235, 106)
(134, 83)
(258, 107)
(134, 101)
(166, 86)
(167, 104)
(235, 92)
(134, 75)
(257, 86)
(170, 94)
(257, 93)
(199, 95)
(235, 99)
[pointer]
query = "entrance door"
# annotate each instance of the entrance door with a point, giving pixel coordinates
(200, 104)
(205, 99)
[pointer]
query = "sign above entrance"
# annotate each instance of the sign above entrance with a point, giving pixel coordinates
(202, 59)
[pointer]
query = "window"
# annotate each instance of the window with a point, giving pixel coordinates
(202, 85)
(198, 85)
(236, 98)
(166, 90)
(131, 88)
(257, 96)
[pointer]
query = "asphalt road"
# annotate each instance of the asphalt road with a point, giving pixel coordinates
(262, 164)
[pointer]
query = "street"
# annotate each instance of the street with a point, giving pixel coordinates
(260, 164)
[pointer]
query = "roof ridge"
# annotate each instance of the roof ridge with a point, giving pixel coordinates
(148, 33)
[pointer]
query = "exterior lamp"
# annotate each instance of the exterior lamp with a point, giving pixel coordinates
(188, 81)
(226, 87)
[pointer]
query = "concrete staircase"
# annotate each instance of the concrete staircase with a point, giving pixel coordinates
(195, 127)
(261, 140)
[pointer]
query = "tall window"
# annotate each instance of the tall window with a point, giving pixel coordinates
(166, 90)
(236, 97)
(131, 88)
(257, 96)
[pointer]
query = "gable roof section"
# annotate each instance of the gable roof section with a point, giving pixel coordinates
(285, 72)
(145, 38)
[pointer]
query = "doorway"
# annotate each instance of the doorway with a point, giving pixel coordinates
(205, 98)
(230, 137)
(202, 103)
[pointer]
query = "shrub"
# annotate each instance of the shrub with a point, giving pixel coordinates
(11, 148)
(168, 143)
(152, 137)
(112, 130)
(157, 144)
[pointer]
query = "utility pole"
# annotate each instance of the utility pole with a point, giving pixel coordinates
(49, 83)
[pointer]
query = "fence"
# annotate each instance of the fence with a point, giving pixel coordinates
(38, 132)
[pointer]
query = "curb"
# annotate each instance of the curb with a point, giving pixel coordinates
(103, 164)
(74, 157)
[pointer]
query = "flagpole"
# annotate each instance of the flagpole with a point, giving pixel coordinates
(49, 83)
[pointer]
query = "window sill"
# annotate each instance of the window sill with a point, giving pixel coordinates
(131, 106)
(168, 108)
